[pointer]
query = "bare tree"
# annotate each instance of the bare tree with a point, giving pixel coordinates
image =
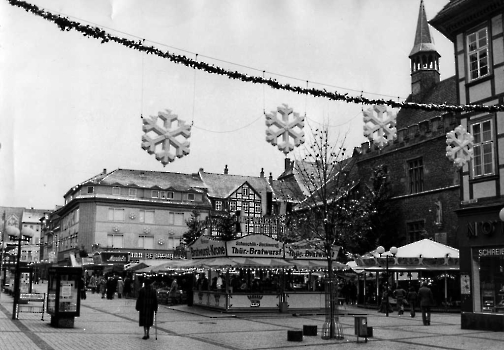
(328, 208)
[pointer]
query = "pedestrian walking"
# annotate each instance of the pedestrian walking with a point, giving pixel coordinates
(83, 288)
(103, 286)
(412, 300)
(147, 305)
(400, 295)
(93, 283)
(426, 301)
(385, 305)
(120, 287)
(111, 287)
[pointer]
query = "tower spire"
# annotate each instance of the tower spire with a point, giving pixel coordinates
(424, 59)
(423, 38)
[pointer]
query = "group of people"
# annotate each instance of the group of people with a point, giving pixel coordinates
(107, 286)
(423, 297)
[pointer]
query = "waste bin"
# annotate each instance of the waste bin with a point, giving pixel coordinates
(361, 328)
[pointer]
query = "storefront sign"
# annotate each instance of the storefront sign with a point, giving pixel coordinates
(491, 252)
(255, 246)
(153, 255)
(111, 258)
(308, 250)
(205, 247)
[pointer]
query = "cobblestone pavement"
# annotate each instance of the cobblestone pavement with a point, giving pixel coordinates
(113, 324)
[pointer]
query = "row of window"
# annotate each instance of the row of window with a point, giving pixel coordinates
(145, 216)
(144, 242)
(247, 207)
(132, 192)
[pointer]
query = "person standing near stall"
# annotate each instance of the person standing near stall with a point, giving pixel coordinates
(147, 305)
(412, 299)
(426, 301)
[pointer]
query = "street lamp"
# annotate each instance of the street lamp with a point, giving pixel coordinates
(380, 250)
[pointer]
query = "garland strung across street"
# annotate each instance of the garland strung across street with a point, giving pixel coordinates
(95, 32)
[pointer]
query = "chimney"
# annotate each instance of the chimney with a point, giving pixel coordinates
(226, 170)
(104, 171)
(262, 172)
(287, 163)
(270, 179)
(201, 170)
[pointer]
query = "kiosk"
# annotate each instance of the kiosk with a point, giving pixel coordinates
(63, 297)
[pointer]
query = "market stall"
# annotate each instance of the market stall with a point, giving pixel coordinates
(258, 272)
(424, 259)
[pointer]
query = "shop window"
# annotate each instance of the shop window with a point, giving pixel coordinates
(483, 161)
(416, 175)
(477, 54)
(488, 280)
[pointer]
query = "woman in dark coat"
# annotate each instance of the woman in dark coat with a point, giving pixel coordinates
(147, 304)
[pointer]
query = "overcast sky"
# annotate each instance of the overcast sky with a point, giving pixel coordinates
(70, 106)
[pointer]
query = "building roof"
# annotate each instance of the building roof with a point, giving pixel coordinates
(147, 179)
(223, 185)
(459, 15)
(445, 92)
(423, 39)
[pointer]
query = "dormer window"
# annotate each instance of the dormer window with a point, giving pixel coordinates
(90, 189)
(116, 191)
(190, 196)
(132, 192)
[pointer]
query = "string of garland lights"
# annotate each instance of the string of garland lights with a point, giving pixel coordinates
(97, 33)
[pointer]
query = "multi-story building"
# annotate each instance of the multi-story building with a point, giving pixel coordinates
(16, 222)
(476, 30)
(249, 198)
(134, 215)
(424, 183)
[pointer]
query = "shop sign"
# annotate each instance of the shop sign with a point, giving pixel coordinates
(150, 255)
(491, 252)
(205, 247)
(111, 258)
(257, 245)
(308, 250)
(484, 228)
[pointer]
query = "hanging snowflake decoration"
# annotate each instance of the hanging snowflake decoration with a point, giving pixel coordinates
(379, 125)
(460, 146)
(285, 129)
(161, 140)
